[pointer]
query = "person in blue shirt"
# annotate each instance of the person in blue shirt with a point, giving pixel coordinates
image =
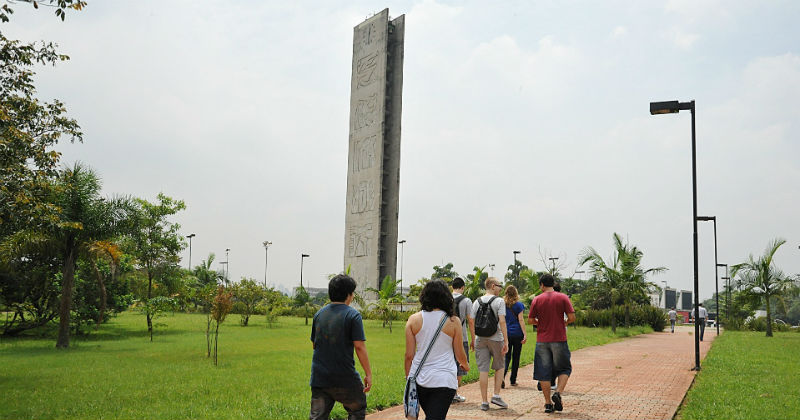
(337, 331)
(516, 332)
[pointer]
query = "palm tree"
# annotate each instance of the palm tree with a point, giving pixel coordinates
(623, 277)
(104, 250)
(761, 277)
(387, 295)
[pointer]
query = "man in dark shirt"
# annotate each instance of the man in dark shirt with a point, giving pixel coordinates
(551, 359)
(338, 330)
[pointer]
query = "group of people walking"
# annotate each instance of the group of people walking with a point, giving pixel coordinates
(438, 341)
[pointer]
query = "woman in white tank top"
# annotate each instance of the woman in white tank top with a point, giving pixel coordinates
(437, 382)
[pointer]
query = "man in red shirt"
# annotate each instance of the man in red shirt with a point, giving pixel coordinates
(552, 357)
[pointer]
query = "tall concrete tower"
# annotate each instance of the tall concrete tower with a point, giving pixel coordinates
(373, 168)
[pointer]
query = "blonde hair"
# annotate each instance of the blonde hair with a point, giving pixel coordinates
(512, 296)
(491, 281)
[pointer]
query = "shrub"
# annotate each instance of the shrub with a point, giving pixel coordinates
(640, 315)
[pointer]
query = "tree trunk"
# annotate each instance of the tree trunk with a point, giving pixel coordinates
(216, 340)
(102, 288)
(769, 318)
(149, 295)
(613, 316)
(306, 311)
(67, 283)
(627, 315)
(208, 335)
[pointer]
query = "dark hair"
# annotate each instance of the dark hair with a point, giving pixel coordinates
(557, 287)
(436, 295)
(340, 287)
(458, 283)
(547, 280)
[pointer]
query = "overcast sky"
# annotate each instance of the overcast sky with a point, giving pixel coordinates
(525, 126)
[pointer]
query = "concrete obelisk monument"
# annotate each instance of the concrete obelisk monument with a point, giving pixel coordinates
(373, 169)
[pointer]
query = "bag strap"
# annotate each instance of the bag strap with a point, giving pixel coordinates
(438, 330)
(489, 304)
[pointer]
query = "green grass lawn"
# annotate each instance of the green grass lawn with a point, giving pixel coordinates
(747, 376)
(263, 373)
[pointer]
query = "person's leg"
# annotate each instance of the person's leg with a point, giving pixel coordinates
(702, 328)
(515, 355)
(321, 404)
(461, 374)
(498, 361)
(543, 369)
(436, 401)
(353, 400)
(483, 357)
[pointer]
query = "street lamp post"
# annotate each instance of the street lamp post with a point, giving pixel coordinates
(227, 266)
(491, 267)
(402, 246)
(302, 257)
(190, 236)
(224, 265)
(515, 264)
(553, 260)
(266, 260)
(728, 294)
(716, 264)
(672, 107)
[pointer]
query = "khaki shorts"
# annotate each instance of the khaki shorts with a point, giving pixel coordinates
(489, 352)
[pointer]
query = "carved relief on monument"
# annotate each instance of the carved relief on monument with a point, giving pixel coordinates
(366, 112)
(362, 197)
(364, 153)
(365, 36)
(360, 243)
(366, 69)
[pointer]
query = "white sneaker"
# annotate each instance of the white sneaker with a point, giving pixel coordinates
(459, 398)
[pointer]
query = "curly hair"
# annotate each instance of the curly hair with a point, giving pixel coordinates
(436, 295)
(512, 296)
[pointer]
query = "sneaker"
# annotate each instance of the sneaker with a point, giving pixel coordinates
(459, 398)
(548, 408)
(485, 406)
(499, 401)
(557, 402)
(513, 384)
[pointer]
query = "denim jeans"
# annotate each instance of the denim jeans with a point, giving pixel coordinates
(353, 399)
(551, 360)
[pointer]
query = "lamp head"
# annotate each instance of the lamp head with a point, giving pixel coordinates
(706, 218)
(669, 107)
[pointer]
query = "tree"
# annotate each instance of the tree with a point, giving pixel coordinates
(223, 302)
(387, 295)
(247, 294)
(623, 278)
(513, 275)
(475, 284)
(109, 251)
(303, 300)
(154, 241)
(445, 273)
(61, 7)
(761, 277)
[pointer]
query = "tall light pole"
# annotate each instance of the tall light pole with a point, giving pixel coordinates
(515, 264)
(491, 267)
(227, 266)
(728, 300)
(266, 260)
(402, 246)
(716, 281)
(224, 265)
(553, 260)
(672, 107)
(302, 257)
(190, 236)
(579, 272)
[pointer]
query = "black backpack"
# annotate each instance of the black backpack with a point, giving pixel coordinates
(456, 302)
(485, 319)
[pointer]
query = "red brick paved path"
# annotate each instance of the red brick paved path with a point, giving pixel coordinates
(642, 377)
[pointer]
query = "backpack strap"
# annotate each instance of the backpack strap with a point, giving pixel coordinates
(490, 307)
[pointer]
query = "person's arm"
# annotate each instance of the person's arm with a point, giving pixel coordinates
(458, 347)
(363, 358)
(531, 317)
(522, 326)
(471, 324)
(570, 318)
(505, 333)
(411, 345)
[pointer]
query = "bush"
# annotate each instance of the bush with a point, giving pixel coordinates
(647, 315)
(760, 324)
